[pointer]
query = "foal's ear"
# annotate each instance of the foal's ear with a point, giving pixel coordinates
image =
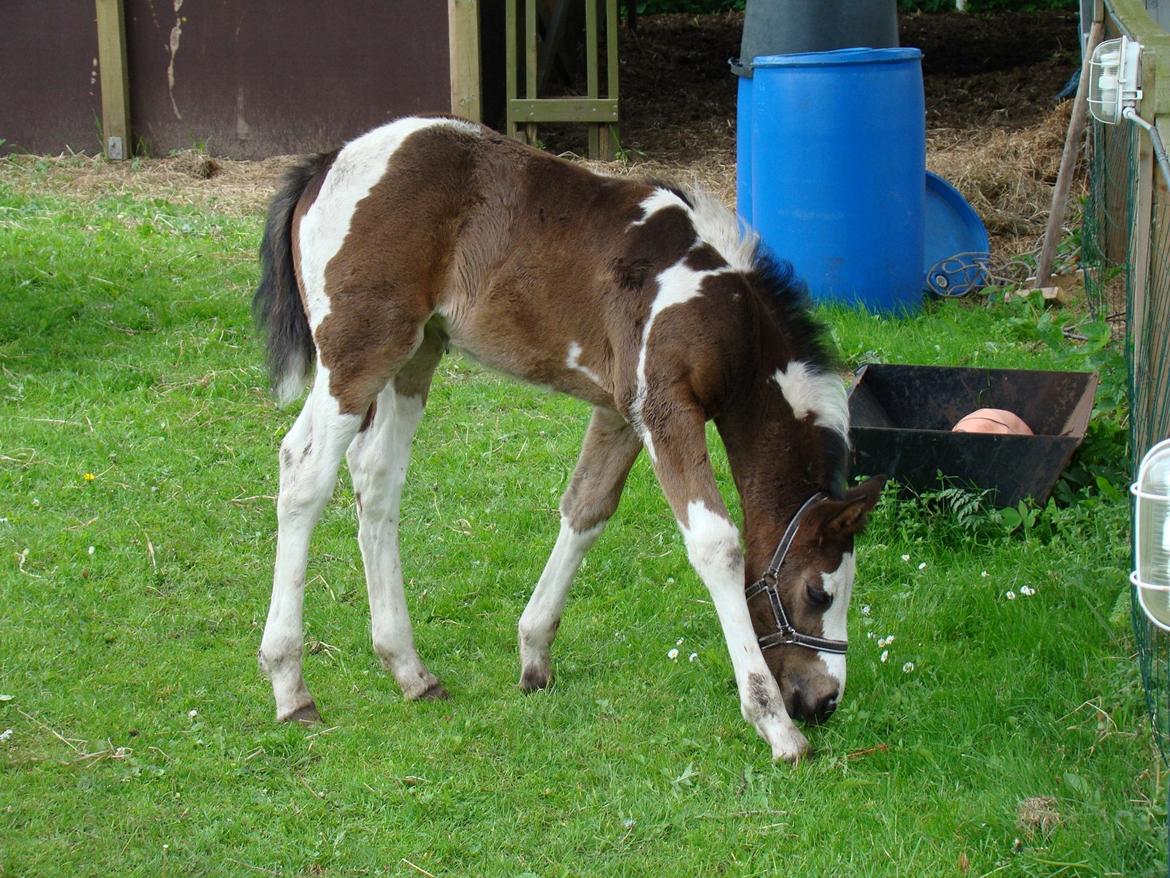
(848, 516)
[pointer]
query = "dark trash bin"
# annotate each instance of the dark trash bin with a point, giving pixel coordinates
(784, 27)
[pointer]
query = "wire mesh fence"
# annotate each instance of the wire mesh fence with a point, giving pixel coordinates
(1126, 256)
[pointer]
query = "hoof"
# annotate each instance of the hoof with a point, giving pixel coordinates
(534, 679)
(794, 752)
(305, 715)
(434, 692)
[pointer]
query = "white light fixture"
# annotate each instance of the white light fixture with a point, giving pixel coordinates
(1115, 74)
(1152, 535)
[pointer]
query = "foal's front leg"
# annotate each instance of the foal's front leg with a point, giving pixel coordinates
(609, 451)
(679, 451)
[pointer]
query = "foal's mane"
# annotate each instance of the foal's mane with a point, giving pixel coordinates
(805, 342)
(786, 298)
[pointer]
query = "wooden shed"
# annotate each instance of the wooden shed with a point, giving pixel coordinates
(239, 78)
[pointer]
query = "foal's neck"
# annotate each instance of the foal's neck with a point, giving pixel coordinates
(777, 463)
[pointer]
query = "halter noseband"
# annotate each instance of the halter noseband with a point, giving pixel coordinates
(768, 584)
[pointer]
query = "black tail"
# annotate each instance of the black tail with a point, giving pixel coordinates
(277, 307)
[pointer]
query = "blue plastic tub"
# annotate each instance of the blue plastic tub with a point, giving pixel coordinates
(831, 149)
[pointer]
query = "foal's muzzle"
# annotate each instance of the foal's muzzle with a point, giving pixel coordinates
(814, 711)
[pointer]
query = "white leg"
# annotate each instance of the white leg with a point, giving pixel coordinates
(542, 616)
(607, 454)
(713, 547)
(378, 461)
(712, 542)
(309, 457)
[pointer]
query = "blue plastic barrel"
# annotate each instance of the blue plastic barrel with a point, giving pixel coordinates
(832, 163)
(743, 148)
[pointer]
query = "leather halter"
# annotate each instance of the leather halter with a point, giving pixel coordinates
(768, 584)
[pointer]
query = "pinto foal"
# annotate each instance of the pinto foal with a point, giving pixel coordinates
(642, 300)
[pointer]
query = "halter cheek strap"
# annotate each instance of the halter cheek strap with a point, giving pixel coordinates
(768, 584)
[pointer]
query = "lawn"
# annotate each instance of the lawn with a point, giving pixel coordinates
(1001, 732)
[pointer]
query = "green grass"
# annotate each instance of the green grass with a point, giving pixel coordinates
(142, 736)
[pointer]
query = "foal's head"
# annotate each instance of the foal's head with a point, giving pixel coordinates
(786, 435)
(814, 586)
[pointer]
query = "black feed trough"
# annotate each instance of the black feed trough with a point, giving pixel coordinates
(902, 417)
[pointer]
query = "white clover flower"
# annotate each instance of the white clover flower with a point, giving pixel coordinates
(983, 575)
(1027, 590)
(672, 655)
(905, 557)
(670, 580)
(922, 566)
(5, 735)
(865, 610)
(693, 657)
(191, 714)
(1010, 595)
(885, 654)
(908, 667)
(678, 642)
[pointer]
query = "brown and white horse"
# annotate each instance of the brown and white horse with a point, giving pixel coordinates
(649, 303)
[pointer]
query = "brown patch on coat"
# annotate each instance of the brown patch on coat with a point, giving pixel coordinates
(608, 453)
(705, 258)
(384, 282)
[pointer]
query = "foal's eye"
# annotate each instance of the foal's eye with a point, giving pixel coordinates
(817, 596)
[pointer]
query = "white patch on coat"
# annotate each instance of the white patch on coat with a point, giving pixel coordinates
(712, 545)
(660, 199)
(722, 229)
(714, 224)
(676, 285)
(356, 170)
(811, 391)
(834, 624)
(573, 361)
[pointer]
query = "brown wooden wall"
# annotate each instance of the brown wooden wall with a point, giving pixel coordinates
(239, 78)
(50, 99)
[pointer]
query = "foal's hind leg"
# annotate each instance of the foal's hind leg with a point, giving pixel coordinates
(609, 451)
(309, 457)
(378, 459)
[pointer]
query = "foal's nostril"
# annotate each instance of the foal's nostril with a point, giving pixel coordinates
(825, 708)
(804, 708)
